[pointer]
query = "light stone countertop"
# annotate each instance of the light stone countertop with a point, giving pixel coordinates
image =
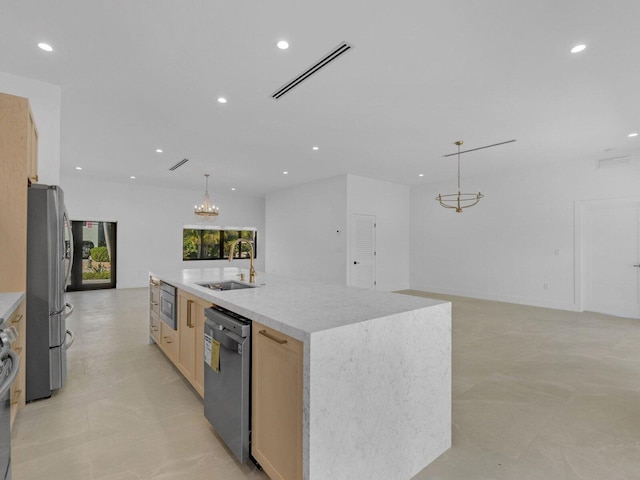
(294, 307)
(8, 304)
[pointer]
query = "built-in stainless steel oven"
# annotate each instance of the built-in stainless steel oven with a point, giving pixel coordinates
(169, 305)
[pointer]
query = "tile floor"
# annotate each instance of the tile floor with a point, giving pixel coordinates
(537, 394)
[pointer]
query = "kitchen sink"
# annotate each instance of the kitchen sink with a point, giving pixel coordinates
(226, 285)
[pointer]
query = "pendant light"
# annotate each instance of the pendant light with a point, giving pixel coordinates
(459, 200)
(206, 209)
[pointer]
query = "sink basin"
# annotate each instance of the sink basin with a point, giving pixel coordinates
(225, 285)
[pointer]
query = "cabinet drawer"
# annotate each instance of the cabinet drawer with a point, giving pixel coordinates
(169, 341)
(154, 327)
(154, 295)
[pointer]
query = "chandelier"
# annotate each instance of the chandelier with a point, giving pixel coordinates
(206, 209)
(459, 200)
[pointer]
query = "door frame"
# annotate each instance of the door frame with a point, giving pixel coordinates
(581, 208)
(349, 241)
(76, 277)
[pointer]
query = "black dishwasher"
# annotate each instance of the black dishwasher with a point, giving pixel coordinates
(227, 378)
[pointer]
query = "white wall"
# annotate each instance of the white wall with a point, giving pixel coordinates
(302, 239)
(389, 202)
(308, 229)
(45, 105)
(517, 239)
(150, 221)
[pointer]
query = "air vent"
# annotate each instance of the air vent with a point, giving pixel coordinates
(323, 62)
(179, 164)
(614, 162)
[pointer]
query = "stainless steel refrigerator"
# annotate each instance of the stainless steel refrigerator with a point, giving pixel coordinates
(49, 257)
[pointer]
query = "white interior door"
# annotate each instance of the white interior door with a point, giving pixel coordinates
(613, 275)
(363, 251)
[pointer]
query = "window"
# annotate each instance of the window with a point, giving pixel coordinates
(214, 244)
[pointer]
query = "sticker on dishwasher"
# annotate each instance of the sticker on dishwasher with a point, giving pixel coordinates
(212, 352)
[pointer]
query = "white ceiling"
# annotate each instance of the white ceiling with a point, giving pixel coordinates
(141, 74)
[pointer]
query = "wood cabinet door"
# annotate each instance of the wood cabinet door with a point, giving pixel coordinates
(277, 403)
(32, 150)
(198, 378)
(187, 334)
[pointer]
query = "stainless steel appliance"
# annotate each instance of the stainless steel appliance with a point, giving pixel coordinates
(227, 378)
(169, 305)
(48, 270)
(9, 365)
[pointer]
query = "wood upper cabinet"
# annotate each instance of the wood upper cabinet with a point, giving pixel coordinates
(32, 149)
(276, 410)
(191, 332)
(18, 161)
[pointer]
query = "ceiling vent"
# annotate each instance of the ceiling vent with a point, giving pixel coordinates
(179, 164)
(323, 62)
(614, 162)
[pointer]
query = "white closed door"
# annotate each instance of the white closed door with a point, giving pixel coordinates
(612, 260)
(363, 251)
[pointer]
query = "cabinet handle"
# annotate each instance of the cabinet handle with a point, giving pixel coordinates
(154, 303)
(154, 284)
(166, 339)
(155, 329)
(189, 303)
(16, 397)
(281, 341)
(17, 320)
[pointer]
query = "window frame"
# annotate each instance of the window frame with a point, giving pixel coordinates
(222, 242)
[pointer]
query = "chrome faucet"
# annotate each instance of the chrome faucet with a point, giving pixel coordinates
(252, 271)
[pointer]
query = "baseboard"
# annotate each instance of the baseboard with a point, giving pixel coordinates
(533, 302)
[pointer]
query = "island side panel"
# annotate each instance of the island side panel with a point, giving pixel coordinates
(380, 396)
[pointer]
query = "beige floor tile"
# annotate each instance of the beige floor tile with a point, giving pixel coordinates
(538, 394)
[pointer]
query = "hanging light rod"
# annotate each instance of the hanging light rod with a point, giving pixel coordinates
(479, 148)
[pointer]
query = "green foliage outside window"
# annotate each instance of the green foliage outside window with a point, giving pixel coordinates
(212, 244)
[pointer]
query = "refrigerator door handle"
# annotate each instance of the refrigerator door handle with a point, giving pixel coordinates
(70, 338)
(67, 313)
(67, 224)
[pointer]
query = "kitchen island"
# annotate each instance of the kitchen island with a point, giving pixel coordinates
(376, 388)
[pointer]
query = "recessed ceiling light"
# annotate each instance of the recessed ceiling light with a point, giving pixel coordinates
(132, 177)
(222, 100)
(285, 173)
(578, 48)
(315, 148)
(78, 168)
(158, 150)
(233, 189)
(421, 174)
(46, 47)
(633, 134)
(283, 44)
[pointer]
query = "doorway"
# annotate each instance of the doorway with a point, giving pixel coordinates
(610, 257)
(363, 251)
(94, 255)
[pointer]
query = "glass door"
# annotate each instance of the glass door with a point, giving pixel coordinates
(94, 255)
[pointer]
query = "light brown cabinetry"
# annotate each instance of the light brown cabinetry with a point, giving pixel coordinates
(32, 149)
(169, 342)
(17, 397)
(191, 331)
(18, 164)
(276, 410)
(154, 309)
